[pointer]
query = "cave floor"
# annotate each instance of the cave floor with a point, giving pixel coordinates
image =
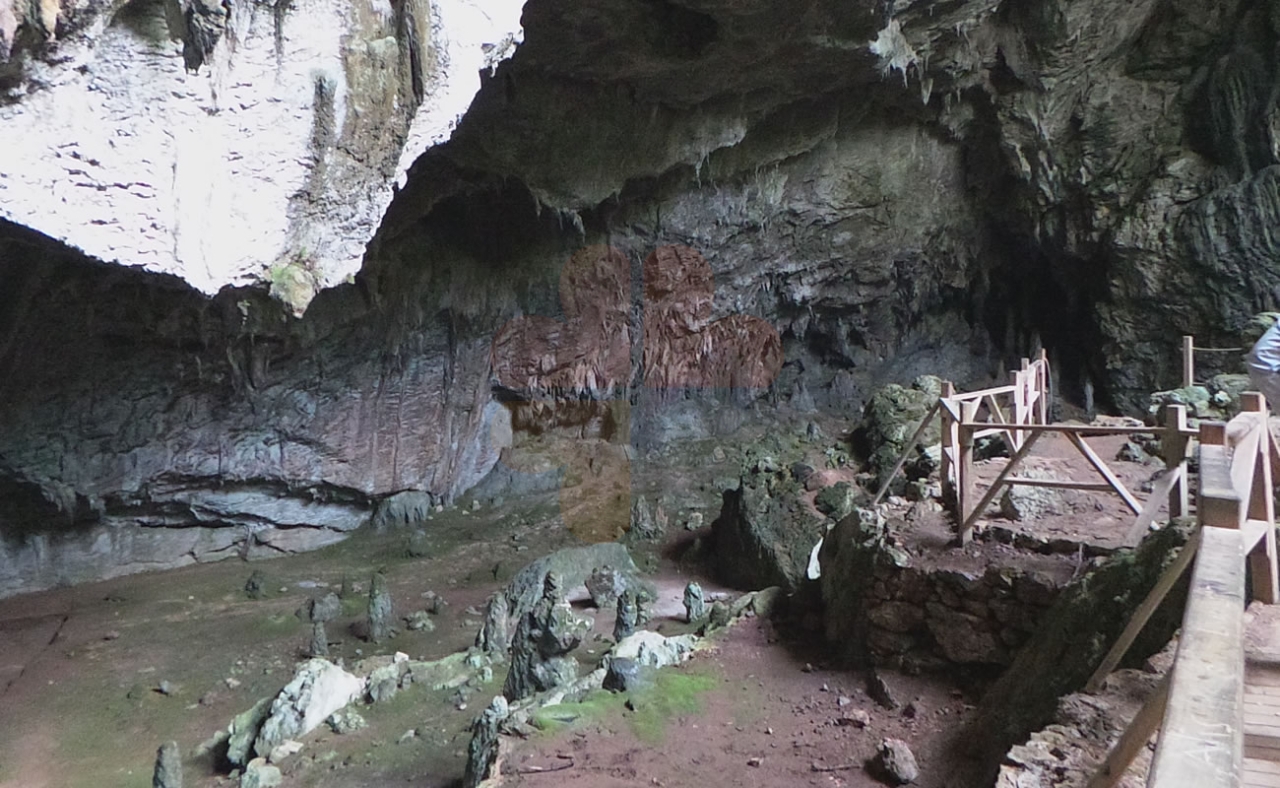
(81, 667)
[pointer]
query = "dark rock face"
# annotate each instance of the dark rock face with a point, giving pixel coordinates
(764, 535)
(929, 191)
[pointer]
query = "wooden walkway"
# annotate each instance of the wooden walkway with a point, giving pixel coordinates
(1262, 700)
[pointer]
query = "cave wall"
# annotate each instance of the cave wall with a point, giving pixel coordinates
(897, 188)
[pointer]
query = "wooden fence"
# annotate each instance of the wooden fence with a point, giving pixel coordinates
(1199, 708)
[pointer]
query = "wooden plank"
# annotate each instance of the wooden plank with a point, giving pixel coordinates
(1253, 532)
(906, 452)
(1086, 429)
(1202, 739)
(1144, 612)
(1063, 484)
(965, 468)
(1159, 493)
(1188, 362)
(1106, 472)
(1173, 445)
(1261, 766)
(967, 521)
(1218, 502)
(1134, 738)
(980, 393)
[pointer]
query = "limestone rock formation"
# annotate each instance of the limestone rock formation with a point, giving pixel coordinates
(318, 689)
(895, 191)
(279, 144)
(168, 771)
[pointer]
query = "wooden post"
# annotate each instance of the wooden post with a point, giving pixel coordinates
(968, 411)
(1018, 379)
(949, 439)
(1261, 506)
(1173, 445)
(1042, 387)
(1134, 738)
(1188, 362)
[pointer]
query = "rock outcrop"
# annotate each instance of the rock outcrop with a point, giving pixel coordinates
(891, 191)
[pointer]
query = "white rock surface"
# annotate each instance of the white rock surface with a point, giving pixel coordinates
(649, 648)
(318, 689)
(217, 176)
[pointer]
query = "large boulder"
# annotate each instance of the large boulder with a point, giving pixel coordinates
(317, 690)
(764, 534)
(892, 416)
(574, 565)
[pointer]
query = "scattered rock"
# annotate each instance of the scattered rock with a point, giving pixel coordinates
(855, 717)
(878, 690)
(493, 637)
(895, 763)
(380, 610)
(651, 648)
(1020, 502)
(317, 690)
(626, 675)
(628, 616)
(284, 749)
(801, 471)
(483, 752)
(168, 771)
(754, 761)
(346, 721)
(694, 522)
(911, 710)
(166, 688)
(418, 545)
(695, 605)
(419, 620)
(259, 774)
(407, 736)
(256, 586)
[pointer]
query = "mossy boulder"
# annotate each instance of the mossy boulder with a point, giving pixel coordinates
(1074, 636)
(764, 533)
(892, 416)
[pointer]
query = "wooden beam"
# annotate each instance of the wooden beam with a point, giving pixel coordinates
(906, 452)
(1134, 738)
(1188, 361)
(1219, 504)
(1088, 429)
(1159, 492)
(1202, 738)
(980, 393)
(1061, 484)
(1144, 612)
(968, 520)
(965, 473)
(1173, 445)
(1106, 473)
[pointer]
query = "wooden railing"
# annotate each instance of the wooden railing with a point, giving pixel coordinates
(1199, 708)
(1189, 349)
(1018, 414)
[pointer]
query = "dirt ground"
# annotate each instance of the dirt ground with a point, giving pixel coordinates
(81, 668)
